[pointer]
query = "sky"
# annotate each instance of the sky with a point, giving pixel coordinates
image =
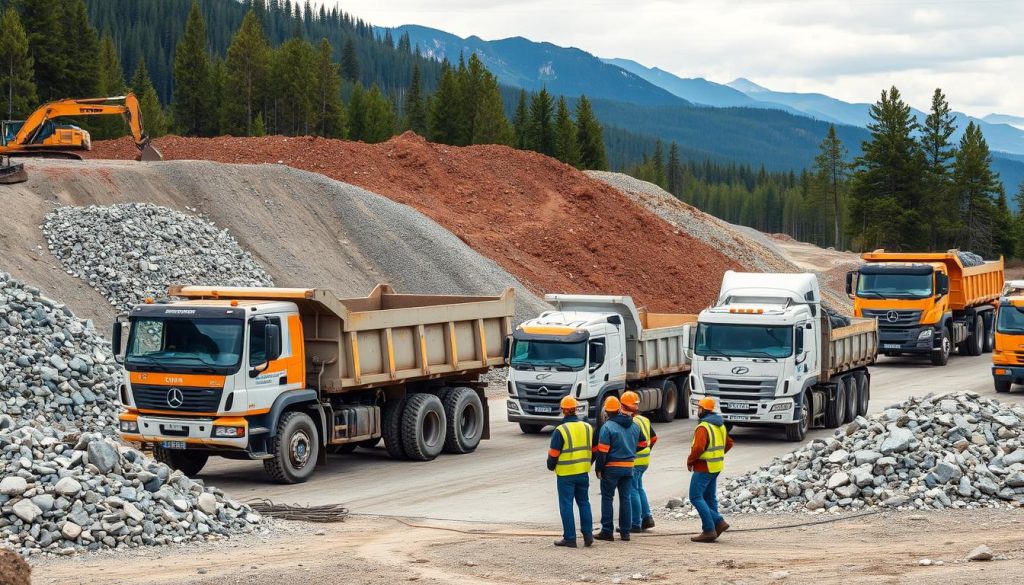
(850, 49)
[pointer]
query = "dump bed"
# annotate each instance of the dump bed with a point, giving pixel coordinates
(969, 286)
(387, 338)
(846, 348)
(655, 342)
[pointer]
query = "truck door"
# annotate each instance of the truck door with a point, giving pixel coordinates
(267, 384)
(806, 349)
(597, 361)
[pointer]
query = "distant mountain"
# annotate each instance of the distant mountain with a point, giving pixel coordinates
(522, 63)
(696, 90)
(1015, 121)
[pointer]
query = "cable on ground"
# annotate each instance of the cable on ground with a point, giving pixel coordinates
(326, 513)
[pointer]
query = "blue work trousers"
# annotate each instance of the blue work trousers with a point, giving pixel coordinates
(704, 497)
(639, 507)
(570, 488)
(621, 479)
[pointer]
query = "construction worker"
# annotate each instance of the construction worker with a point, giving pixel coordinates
(640, 508)
(616, 450)
(570, 456)
(711, 442)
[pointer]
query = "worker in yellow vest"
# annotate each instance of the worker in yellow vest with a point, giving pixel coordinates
(711, 442)
(570, 456)
(641, 509)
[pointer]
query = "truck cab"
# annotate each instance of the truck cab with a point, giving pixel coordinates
(1008, 356)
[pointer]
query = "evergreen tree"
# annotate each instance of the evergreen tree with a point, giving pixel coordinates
(350, 62)
(445, 109)
(473, 81)
(490, 125)
(81, 45)
(590, 136)
(404, 44)
(888, 186)
(567, 149)
(154, 120)
(330, 112)
(976, 188)
(357, 113)
(18, 90)
(659, 165)
(379, 117)
(218, 81)
(293, 87)
(192, 91)
(541, 136)
(248, 66)
(111, 83)
(42, 22)
(938, 128)
(674, 171)
(415, 108)
(830, 170)
(259, 128)
(1004, 226)
(521, 122)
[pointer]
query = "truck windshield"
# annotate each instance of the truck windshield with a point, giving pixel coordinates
(532, 354)
(748, 341)
(894, 286)
(185, 345)
(1010, 320)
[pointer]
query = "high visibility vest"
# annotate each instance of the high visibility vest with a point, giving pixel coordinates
(575, 458)
(643, 455)
(714, 454)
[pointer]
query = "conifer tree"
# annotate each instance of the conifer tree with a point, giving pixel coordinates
(18, 89)
(218, 81)
(82, 49)
(329, 111)
(259, 128)
(357, 113)
(674, 171)
(590, 136)
(415, 108)
(521, 122)
(830, 170)
(293, 83)
(490, 125)
(248, 66)
(350, 62)
(42, 22)
(976, 188)
(192, 91)
(445, 109)
(936, 133)
(567, 149)
(541, 136)
(379, 121)
(659, 164)
(154, 120)
(111, 83)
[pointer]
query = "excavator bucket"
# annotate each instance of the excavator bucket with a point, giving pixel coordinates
(150, 153)
(11, 173)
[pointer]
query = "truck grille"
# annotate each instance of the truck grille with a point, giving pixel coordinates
(543, 392)
(740, 388)
(192, 399)
(887, 318)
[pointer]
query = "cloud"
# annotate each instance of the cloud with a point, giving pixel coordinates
(850, 49)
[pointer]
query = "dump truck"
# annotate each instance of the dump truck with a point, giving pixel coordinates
(284, 375)
(1008, 352)
(928, 303)
(770, 355)
(591, 347)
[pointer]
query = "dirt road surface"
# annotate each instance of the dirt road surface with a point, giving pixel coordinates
(504, 488)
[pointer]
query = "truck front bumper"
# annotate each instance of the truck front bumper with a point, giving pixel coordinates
(770, 411)
(1011, 374)
(523, 411)
(192, 432)
(916, 339)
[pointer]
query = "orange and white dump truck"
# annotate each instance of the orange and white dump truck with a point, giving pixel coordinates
(1008, 355)
(928, 303)
(284, 375)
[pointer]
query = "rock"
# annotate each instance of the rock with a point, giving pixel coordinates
(67, 487)
(838, 479)
(26, 510)
(13, 485)
(71, 531)
(103, 455)
(674, 503)
(1014, 458)
(838, 456)
(864, 456)
(925, 562)
(1015, 480)
(899, 440)
(207, 503)
(980, 553)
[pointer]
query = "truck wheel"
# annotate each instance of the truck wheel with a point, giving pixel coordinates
(188, 462)
(423, 427)
(295, 449)
(990, 332)
(391, 428)
(530, 429)
(1002, 387)
(835, 413)
(683, 410)
(797, 431)
(465, 416)
(976, 341)
(941, 357)
(852, 398)
(863, 394)
(669, 403)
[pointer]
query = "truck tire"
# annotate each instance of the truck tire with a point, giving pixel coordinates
(863, 393)
(941, 357)
(666, 412)
(391, 428)
(188, 462)
(423, 427)
(295, 448)
(797, 431)
(976, 340)
(683, 410)
(530, 428)
(835, 411)
(1002, 387)
(852, 398)
(465, 415)
(990, 332)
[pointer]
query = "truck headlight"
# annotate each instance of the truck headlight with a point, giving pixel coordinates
(129, 426)
(782, 406)
(229, 432)
(925, 334)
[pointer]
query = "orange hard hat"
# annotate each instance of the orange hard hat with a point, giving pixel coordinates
(568, 403)
(707, 403)
(611, 404)
(630, 400)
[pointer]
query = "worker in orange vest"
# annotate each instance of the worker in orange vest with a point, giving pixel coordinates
(569, 456)
(711, 442)
(640, 508)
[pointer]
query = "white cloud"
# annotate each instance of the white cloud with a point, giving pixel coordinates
(850, 49)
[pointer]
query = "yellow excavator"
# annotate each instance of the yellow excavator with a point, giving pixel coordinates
(39, 136)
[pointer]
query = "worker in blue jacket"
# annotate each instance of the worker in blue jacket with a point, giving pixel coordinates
(616, 452)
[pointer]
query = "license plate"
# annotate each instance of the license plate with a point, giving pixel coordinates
(543, 409)
(172, 444)
(890, 346)
(173, 427)
(736, 417)
(733, 405)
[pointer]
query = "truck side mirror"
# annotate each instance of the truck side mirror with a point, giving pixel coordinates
(597, 354)
(115, 340)
(272, 339)
(941, 284)
(799, 340)
(506, 348)
(849, 282)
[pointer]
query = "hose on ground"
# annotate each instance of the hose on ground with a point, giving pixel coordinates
(326, 513)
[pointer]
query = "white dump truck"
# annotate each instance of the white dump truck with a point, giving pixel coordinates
(591, 347)
(770, 355)
(284, 375)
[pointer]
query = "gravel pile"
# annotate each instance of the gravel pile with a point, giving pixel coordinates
(969, 259)
(956, 450)
(132, 251)
(64, 493)
(54, 368)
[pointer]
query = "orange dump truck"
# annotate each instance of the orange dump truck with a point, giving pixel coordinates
(1008, 357)
(928, 303)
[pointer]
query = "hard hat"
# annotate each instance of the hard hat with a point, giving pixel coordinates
(630, 400)
(568, 403)
(708, 403)
(611, 404)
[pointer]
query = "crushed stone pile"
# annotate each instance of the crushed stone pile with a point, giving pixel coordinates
(957, 450)
(54, 368)
(66, 493)
(131, 251)
(969, 259)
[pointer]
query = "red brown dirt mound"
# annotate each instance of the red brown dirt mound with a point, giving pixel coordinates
(550, 225)
(13, 569)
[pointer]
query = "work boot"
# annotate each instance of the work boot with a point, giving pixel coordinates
(721, 527)
(648, 523)
(624, 536)
(704, 537)
(588, 539)
(564, 542)
(636, 529)
(606, 536)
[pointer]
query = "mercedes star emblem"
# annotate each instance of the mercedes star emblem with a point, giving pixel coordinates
(740, 370)
(175, 398)
(892, 316)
